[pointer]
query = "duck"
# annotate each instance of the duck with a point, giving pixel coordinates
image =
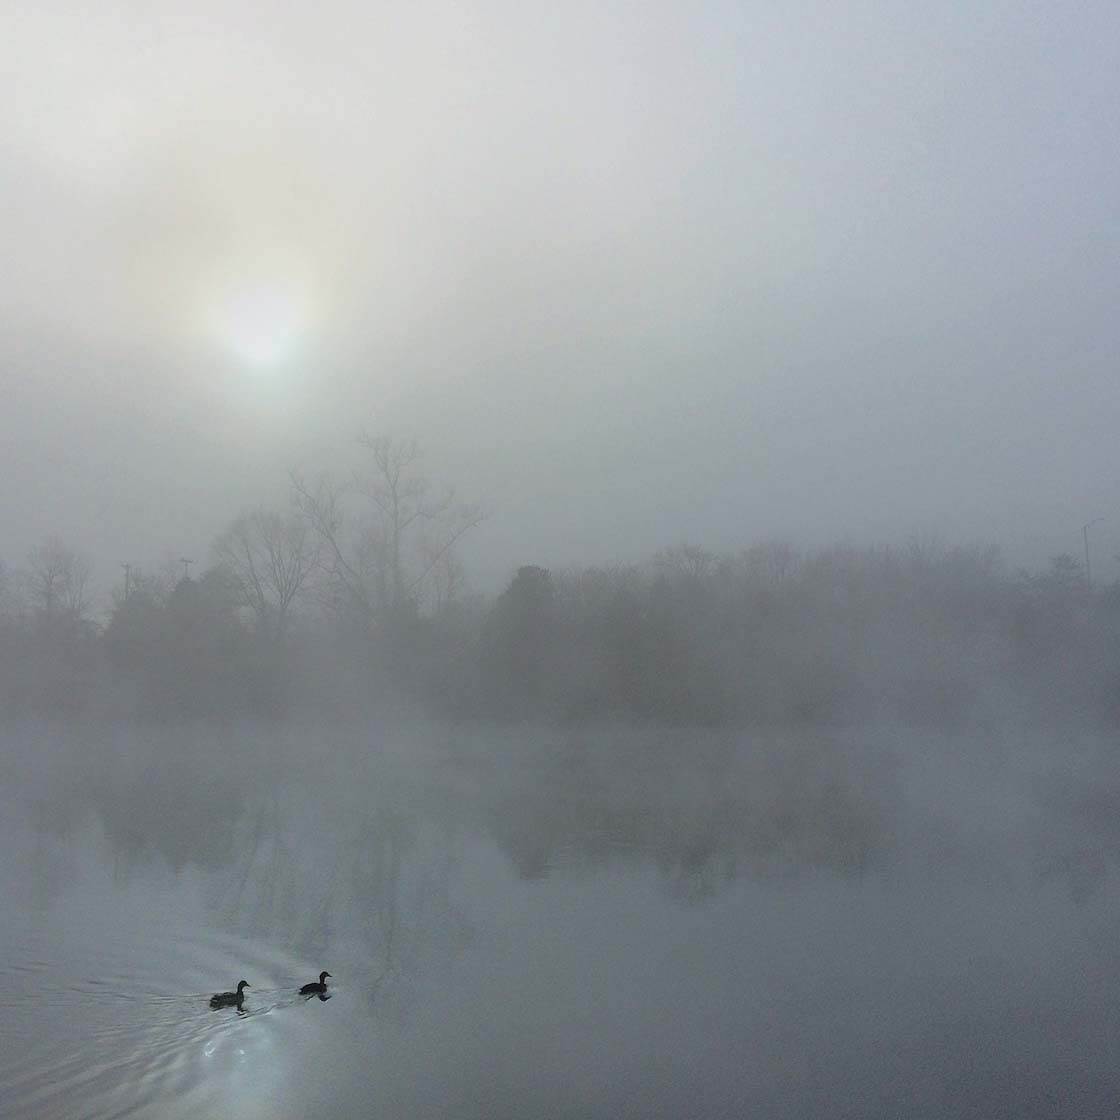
(314, 989)
(231, 999)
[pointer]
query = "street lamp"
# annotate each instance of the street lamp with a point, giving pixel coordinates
(1085, 536)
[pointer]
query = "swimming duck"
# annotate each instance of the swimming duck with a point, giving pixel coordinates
(231, 999)
(314, 989)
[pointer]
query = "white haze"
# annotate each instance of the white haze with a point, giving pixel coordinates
(738, 770)
(633, 273)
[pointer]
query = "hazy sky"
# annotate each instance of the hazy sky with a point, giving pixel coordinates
(632, 272)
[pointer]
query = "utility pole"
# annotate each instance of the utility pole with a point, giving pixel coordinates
(186, 562)
(127, 580)
(1085, 536)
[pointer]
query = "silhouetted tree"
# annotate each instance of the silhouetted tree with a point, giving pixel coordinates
(521, 631)
(687, 560)
(187, 653)
(58, 579)
(384, 534)
(269, 557)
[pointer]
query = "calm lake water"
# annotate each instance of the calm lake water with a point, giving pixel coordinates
(549, 924)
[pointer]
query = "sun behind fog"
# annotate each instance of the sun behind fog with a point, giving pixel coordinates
(262, 322)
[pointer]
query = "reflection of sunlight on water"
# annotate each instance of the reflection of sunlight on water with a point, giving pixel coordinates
(241, 1055)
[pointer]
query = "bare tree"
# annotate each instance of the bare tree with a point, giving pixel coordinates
(58, 579)
(270, 557)
(770, 562)
(446, 577)
(344, 563)
(387, 542)
(685, 560)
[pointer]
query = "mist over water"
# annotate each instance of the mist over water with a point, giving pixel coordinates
(533, 922)
(592, 523)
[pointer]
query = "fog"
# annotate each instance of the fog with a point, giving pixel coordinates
(633, 274)
(593, 525)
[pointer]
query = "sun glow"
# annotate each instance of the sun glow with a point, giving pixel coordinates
(262, 322)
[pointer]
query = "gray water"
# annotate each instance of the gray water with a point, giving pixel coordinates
(550, 924)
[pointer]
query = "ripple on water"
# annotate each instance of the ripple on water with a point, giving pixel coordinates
(113, 1019)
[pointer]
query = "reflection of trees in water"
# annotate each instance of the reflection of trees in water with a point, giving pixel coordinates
(349, 853)
(166, 797)
(358, 863)
(1077, 841)
(703, 817)
(352, 848)
(357, 846)
(163, 813)
(53, 861)
(163, 810)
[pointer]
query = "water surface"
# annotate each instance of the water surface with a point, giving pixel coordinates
(541, 923)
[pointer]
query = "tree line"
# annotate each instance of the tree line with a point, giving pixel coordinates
(353, 597)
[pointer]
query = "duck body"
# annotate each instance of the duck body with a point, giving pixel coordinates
(314, 989)
(230, 999)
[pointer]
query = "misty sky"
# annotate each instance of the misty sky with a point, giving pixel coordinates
(632, 272)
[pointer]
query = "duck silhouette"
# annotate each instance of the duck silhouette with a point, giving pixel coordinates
(314, 989)
(231, 999)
